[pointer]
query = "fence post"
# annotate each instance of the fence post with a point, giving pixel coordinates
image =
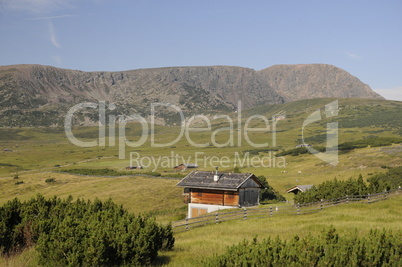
(245, 213)
(368, 198)
(270, 211)
(347, 199)
(321, 205)
(298, 208)
(187, 222)
(216, 217)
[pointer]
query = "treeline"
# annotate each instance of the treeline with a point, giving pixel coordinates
(111, 172)
(97, 172)
(372, 141)
(299, 150)
(256, 151)
(377, 248)
(336, 189)
(269, 195)
(81, 233)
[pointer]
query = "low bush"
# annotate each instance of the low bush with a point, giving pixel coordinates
(299, 150)
(372, 141)
(97, 172)
(269, 195)
(336, 189)
(378, 248)
(81, 233)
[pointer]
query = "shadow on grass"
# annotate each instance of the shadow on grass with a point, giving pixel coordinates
(161, 260)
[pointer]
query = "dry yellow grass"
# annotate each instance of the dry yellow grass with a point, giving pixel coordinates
(136, 194)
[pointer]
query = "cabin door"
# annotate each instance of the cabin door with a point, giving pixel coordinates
(249, 197)
(195, 212)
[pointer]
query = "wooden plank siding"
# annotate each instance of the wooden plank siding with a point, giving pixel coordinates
(231, 198)
(196, 212)
(248, 197)
(214, 197)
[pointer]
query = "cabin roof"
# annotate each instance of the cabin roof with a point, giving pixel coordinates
(227, 181)
(302, 188)
(188, 165)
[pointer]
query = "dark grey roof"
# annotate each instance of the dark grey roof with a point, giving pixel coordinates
(191, 165)
(188, 165)
(227, 181)
(302, 188)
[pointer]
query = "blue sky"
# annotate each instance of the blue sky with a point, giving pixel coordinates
(361, 37)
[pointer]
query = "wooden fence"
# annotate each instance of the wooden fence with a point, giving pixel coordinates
(297, 209)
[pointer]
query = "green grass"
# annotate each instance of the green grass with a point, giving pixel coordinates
(36, 152)
(197, 244)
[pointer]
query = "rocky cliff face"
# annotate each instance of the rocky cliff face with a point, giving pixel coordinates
(297, 82)
(33, 95)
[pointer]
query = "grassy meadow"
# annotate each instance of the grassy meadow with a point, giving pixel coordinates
(30, 156)
(195, 245)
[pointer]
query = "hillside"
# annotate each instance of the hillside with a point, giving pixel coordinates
(297, 82)
(31, 157)
(191, 247)
(35, 95)
(47, 148)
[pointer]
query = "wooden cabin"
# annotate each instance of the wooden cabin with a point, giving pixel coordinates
(207, 191)
(299, 188)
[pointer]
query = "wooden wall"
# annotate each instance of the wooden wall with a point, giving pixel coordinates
(214, 197)
(249, 197)
(231, 198)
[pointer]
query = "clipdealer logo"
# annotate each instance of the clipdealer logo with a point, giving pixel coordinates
(331, 149)
(187, 126)
(235, 130)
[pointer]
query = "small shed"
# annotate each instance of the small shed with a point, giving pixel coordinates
(207, 191)
(299, 188)
(182, 167)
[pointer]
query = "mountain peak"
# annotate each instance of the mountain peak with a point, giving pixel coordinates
(32, 95)
(302, 81)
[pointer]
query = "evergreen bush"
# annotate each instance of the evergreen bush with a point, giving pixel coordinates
(378, 248)
(78, 233)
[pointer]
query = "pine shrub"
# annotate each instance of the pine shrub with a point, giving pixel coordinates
(81, 233)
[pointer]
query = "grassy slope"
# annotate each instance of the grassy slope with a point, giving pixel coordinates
(197, 244)
(36, 151)
(136, 194)
(193, 246)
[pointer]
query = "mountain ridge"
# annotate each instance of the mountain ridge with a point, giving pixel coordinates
(284, 78)
(38, 95)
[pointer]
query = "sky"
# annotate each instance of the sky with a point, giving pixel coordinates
(363, 37)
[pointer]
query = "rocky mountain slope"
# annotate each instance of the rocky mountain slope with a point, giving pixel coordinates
(36, 95)
(297, 82)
